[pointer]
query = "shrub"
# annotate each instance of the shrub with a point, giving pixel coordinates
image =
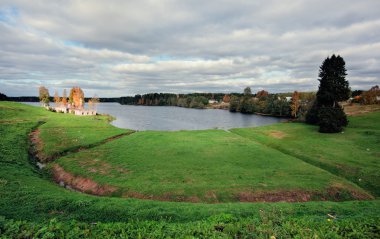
(331, 119)
(312, 114)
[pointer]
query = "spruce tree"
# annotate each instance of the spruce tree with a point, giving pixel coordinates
(333, 88)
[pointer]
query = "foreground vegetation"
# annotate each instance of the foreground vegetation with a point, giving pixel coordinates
(31, 205)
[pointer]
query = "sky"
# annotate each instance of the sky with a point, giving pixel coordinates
(117, 48)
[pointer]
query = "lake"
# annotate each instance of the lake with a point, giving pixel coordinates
(170, 118)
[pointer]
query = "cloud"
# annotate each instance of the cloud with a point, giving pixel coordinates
(116, 48)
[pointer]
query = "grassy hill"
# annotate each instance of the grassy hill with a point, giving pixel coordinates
(353, 154)
(204, 166)
(32, 205)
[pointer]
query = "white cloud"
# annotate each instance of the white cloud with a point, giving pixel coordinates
(120, 47)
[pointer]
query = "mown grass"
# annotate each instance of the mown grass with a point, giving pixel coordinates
(353, 154)
(64, 132)
(207, 166)
(33, 206)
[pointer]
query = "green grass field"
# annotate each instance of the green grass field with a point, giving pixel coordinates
(205, 166)
(31, 205)
(353, 154)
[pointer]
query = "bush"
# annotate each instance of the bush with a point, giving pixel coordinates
(331, 119)
(312, 114)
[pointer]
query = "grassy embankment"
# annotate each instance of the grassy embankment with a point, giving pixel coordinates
(353, 154)
(205, 166)
(27, 194)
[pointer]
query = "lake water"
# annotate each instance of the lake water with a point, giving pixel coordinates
(175, 118)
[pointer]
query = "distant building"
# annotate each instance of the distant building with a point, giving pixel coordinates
(288, 98)
(85, 112)
(212, 101)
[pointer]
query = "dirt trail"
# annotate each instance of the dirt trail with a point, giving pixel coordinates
(78, 183)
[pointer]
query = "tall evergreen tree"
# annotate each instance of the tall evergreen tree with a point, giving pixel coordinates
(333, 88)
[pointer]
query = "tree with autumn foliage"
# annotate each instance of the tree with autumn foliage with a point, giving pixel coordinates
(262, 93)
(370, 97)
(64, 98)
(295, 104)
(226, 98)
(76, 97)
(44, 95)
(57, 100)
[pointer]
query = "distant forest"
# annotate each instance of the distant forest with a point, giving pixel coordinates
(194, 100)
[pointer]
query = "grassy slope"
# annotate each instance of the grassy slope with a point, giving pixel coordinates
(353, 154)
(63, 132)
(208, 165)
(60, 132)
(27, 194)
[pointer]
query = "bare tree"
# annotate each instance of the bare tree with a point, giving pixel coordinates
(95, 101)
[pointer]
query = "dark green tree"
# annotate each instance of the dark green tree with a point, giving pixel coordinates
(247, 106)
(333, 88)
(247, 91)
(3, 97)
(234, 104)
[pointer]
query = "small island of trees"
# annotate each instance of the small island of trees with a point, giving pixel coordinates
(74, 105)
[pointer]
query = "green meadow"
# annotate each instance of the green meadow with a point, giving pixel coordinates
(242, 183)
(205, 166)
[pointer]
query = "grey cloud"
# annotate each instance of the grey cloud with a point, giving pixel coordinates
(117, 47)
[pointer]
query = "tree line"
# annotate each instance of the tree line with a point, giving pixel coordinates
(193, 100)
(281, 105)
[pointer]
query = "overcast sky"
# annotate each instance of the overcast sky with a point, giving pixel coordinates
(118, 47)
